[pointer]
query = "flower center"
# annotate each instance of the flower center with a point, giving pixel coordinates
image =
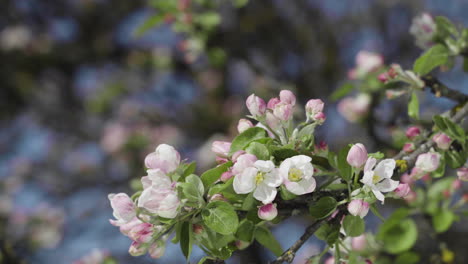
(259, 177)
(375, 179)
(295, 174)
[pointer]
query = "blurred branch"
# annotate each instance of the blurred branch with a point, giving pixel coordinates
(441, 90)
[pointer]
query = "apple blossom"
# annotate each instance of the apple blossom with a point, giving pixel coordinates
(297, 174)
(283, 111)
(358, 207)
(402, 190)
(256, 105)
(157, 249)
(320, 117)
(354, 108)
(141, 233)
(357, 155)
(423, 29)
(137, 249)
(313, 107)
(225, 176)
(165, 158)
(428, 162)
(287, 97)
(379, 180)
(442, 140)
(366, 62)
(267, 212)
(408, 147)
(123, 206)
(243, 125)
(359, 243)
(243, 162)
(221, 148)
(262, 179)
(462, 174)
(160, 198)
(273, 102)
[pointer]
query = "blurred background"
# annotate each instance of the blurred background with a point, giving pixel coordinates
(85, 94)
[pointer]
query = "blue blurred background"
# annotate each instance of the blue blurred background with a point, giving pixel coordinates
(83, 99)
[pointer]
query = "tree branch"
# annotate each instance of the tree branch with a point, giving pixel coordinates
(441, 90)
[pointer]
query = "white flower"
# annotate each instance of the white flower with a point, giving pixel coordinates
(378, 180)
(262, 178)
(297, 174)
(165, 158)
(124, 208)
(243, 162)
(160, 198)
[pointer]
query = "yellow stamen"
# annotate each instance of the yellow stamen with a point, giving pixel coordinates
(375, 179)
(259, 177)
(295, 175)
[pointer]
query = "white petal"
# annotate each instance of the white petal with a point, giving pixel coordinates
(264, 165)
(284, 168)
(301, 159)
(387, 185)
(370, 163)
(301, 187)
(273, 178)
(379, 195)
(264, 193)
(367, 178)
(307, 170)
(245, 182)
(385, 168)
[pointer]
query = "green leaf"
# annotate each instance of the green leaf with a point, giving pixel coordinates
(243, 139)
(193, 189)
(436, 189)
(343, 166)
(281, 154)
(341, 92)
(245, 231)
(456, 159)
(259, 150)
(440, 171)
(450, 128)
(149, 24)
(437, 55)
(212, 175)
(408, 258)
(186, 239)
(221, 217)
(328, 233)
(249, 202)
(353, 225)
(413, 106)
(189, 169)
(445, 28)
(400, 237)
(264, 236)
(323, 208)
(442, 220)
(392, 221)
(285, 194)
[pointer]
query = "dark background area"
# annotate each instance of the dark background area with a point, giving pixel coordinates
(83, 100)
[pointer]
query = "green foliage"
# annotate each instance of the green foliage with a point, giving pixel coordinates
(193, 190)
(243, 140)
(245, 232)
(342, 91)
(212, 175)
(264, 236)
(435, 56)
(413, 106)
(408, 258)
(186, 239)
(328, 233)
(450, 128)
(398, 233)
(221, 217)
(353, 225)
(442, 220)
(323, 208)
(344, 168)
(259, 150)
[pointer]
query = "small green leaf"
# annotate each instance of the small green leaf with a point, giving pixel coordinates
(437, 55)
(249, 202)
(283, 153)
(445, 28)
(413, 106)
(401, 237)
(264, 236)
(353, 225)
(259, 150)
(441, 169)
(150, 23)
(186, 239)
(456, 159)
(245, 231)
(343, 166)
(436, 189)
(408, 258)
(323, 208)
(442, 220)
(221, 217)
(341, 92)
(450, 128)
(193, 189)
(328, 233)
(212, 175)
(243, 139)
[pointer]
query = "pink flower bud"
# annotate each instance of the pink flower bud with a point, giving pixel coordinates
(217, 197)
(320, 117)
(408, 147)
(197, 229)
(406, 178)
(322, 145)
(287, 97)
(283, 111)
(237, 154)
(413, 132)
(273, 102)
(313, 107)
(220, 160)
(165, 158)
(359, 243)
(267, 212)
(428, 162)
(157, 249)
(358, 207)
(357, 155)
(240, 244)
(243, 125)
(442, 140)
(225, 176)
(221, 148)
(383, 77)
(124, 208)
(462, 174)
(392, 94)
(137, 249)
(402, 190)
(141, 233)
(354, 108)
(256, 105)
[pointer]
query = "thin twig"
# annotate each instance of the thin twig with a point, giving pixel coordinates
(441, 90)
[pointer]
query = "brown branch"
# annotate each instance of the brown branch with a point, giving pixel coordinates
(441, 90)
